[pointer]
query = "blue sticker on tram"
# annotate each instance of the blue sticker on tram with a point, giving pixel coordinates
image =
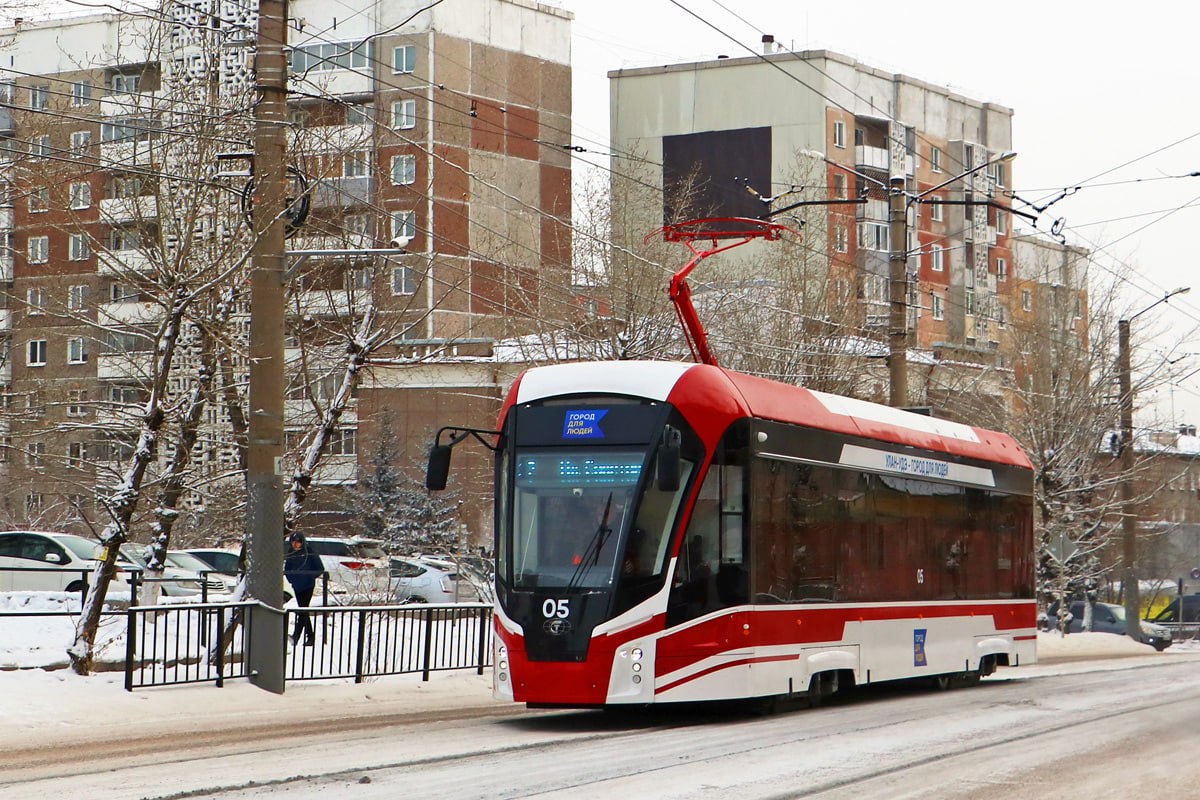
(583, 424)
(919, 648)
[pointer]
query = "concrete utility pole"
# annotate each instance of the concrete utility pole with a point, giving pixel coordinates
(898, 291)
(264, 451)
(1129, 549)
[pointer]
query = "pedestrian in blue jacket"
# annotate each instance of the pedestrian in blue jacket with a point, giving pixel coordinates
(301, 567)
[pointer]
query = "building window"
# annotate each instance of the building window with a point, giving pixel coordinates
(125, 84)
(1026, 300)
(331, 55)
(839, 187)
(1000, 320)
(1001, 269)
(77, 350)
(120, 293)
(969, 305)
(39, 249)
(36, 353)
(39, 200)
(404, 114)
(35, 504)
(81, 93)
(123, 239)
(39, 146)
(839, 133)
(81, 195)
(935, 158)
(937, 304)
(80, 142)
(77, 402)
(356, 164)
(360, 114)
(35, 301)
(358, 225)
(404, 224)
(404, 170)
(39, 97)
(937, 258)
(404, 281)
(404, 59)
(841, 239)
(936, 211)
(1002, 223)
(80, 249)
(77, 297)
(76, 455)
(125, 186)
(1078, 309)
(1001, 174)
(873, 236)
(342, 442)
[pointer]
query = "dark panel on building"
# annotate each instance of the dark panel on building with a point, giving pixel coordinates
(705, 174)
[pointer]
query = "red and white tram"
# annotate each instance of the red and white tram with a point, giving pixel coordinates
(671, 532)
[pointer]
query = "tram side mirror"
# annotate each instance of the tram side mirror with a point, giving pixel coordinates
(668, 460)
(439, 467)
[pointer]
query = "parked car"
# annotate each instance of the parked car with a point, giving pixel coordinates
(176, 582)
(358, 568)
(182, 559)
(222, 561)
(1110, 618)
(64, 554)
(1191, 610)
(422, 579)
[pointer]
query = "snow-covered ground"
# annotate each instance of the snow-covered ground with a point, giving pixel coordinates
(43, 706)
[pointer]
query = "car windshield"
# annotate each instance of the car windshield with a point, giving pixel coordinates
(187, 561)
(79, 546)
(342, 549)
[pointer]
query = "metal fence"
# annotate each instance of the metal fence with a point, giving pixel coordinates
(168, 645)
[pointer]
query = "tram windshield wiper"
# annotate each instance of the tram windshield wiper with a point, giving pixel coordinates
(596, 544)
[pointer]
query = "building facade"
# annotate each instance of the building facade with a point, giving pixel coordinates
(124, 163)
(826, 129)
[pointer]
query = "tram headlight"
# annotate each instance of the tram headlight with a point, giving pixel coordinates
(636, 667)
(502, 651)
(637, 654)
(503, 664)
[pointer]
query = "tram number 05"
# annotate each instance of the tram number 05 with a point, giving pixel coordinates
(555, 608)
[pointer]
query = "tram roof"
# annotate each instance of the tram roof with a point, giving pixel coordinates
(709, 391)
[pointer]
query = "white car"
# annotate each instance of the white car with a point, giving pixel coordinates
(176, 582)
(421, 579)
(46, 561)
(358, 568)
(217, 581)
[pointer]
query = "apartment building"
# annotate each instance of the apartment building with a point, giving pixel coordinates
(124, 156)
(825, 129)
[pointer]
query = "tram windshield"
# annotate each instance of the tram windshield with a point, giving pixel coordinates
(579, 522)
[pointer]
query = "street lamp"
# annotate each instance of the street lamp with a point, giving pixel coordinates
(898, 202)
(1129, 580)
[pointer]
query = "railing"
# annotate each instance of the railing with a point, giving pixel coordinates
(167, 645)
(369, 641)
(135, 580)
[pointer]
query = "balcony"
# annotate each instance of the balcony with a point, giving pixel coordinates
(873, 210)
(342, 192)
(6, 218)
(6, 372)
(298, 412)
(350, 241)
(332, 303)
(120, 263)
(128, 313)
(335, 470)
(125, 104)
(128, 209)
(126, 154)
(6, 121)
(134, 366)
(5, 319)
(871, 157)
(6, 267)
(338, 82)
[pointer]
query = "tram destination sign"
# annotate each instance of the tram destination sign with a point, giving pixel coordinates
(912, 466)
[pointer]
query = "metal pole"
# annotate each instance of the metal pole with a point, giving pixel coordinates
(264, 452)
(898, 284)
(1129, 580)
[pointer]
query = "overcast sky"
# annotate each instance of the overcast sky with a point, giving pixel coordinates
(1104, 96)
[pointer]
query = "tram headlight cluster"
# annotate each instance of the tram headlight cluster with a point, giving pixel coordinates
(502, 662)
(635, 656)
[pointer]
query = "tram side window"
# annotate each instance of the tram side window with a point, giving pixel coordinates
(711, 572)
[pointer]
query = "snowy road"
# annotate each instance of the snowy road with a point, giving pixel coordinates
(1061, 736)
